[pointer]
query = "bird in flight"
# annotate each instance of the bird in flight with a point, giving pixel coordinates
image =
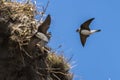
(85, 31)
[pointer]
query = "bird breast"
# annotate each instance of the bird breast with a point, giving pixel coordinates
(42, 36)
(85, 32)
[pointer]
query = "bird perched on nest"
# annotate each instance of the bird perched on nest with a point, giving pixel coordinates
(41, 35)
(45, 26)
(85, 31)
(42, 30)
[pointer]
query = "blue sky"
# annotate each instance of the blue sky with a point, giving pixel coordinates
(100, 58)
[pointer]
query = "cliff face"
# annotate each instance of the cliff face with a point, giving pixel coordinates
(24, 54)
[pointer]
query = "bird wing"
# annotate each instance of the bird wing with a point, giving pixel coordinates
(83, 39)
(86, 24)
(45, 25)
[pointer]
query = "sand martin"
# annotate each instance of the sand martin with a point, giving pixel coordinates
(85, 31)
(45, 25)
(41, 35)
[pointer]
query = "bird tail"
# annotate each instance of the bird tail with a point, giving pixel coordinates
(98, 30)
(93, 31)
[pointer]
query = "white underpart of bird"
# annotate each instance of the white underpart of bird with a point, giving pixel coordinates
(42, 36)
(87, 32)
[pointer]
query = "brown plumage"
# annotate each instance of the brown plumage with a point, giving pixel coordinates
(86, 24)
(45, 25)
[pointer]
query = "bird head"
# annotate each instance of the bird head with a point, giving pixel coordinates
(78, 30)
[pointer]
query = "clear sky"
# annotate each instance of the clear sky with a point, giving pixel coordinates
(100, 58)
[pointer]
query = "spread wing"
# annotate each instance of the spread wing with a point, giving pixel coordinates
(86, 24)
(83, 39)
(45, 25)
